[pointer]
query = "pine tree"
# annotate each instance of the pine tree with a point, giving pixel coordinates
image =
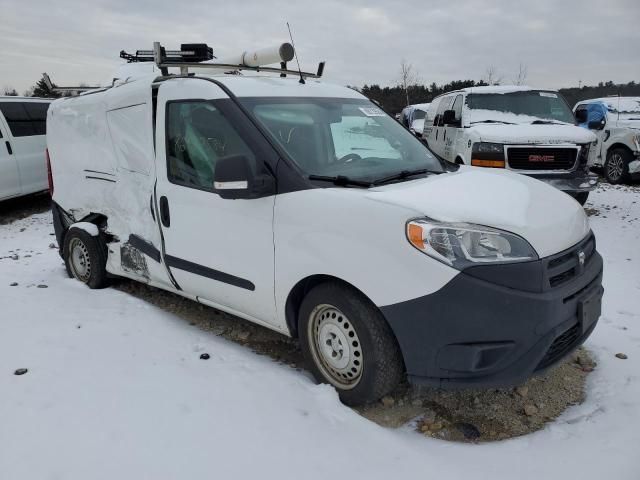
(40, 89)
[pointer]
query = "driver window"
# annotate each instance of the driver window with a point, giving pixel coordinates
(197, 136)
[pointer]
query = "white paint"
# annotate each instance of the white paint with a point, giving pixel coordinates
(90, 228)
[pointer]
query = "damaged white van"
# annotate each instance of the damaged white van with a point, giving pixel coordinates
(303, 207)
(517, 128)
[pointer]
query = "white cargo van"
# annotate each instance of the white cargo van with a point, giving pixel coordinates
(616, 123)
(22, 146)
(303, 207)
(514, 128)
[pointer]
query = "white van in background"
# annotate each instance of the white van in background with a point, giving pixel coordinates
(616, 123)
(413, 116)
(22, 146)
(515, 128)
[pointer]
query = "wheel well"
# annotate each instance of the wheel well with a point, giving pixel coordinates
(297, 294)
(459, 161)
(617, 146)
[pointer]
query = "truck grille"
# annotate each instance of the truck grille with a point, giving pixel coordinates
(531, 158)
(567, 265)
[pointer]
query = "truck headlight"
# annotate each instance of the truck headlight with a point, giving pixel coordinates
(461, 245)
(485, 154)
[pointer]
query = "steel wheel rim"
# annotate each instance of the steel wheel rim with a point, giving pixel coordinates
(615, 166)
(336, 347)
(79, 260)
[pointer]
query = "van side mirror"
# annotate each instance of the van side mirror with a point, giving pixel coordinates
(596, 125)
(581, 115)
(449, 117)
(233, 179)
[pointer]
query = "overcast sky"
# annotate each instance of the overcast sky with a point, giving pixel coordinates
(560, 42)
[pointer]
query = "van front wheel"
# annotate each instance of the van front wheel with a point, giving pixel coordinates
(85, 258)
(348, 344)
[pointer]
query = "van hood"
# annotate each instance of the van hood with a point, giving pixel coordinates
(532, 134)
(550, 220)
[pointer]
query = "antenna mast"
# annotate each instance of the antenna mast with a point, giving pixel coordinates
(295, 53)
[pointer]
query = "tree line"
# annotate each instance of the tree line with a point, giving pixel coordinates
(394, 99)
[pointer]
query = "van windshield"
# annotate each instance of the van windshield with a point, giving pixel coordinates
(530, 106)
(332, 137)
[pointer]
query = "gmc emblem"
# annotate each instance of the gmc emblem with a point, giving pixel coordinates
(541, 158)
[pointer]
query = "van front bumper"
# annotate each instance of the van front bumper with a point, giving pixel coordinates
(576, 182)
(496, 326)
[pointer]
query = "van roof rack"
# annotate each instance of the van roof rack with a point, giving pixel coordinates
(194, 56)
(200, 56)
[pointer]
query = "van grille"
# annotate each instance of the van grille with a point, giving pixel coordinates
(531, 158)
(566, 265)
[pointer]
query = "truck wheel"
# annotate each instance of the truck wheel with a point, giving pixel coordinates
(581, 197)
(85, 257)
(616, 167)
(347, 343)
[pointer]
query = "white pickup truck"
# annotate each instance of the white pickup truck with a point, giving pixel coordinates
(616, 123)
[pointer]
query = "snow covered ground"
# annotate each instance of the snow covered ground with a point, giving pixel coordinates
(115, 389)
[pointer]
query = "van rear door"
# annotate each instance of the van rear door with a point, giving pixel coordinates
(219, 250)
(9, 175)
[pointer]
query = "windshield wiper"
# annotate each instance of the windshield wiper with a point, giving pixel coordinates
(493, 121)
(341, 180)
(401, 175)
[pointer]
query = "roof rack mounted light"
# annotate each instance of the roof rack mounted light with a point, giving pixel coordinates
(56, 89)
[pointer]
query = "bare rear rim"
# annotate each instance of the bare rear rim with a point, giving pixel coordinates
(79, 260)
(335, 346)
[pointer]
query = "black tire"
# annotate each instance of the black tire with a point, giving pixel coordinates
(616, 167)
(92, 253)
(380, 367)
(581, 197)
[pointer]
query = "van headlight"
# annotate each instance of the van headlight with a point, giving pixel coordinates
(462, 245)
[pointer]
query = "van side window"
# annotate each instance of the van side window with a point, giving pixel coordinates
(37, 112)
(457, 108)
(444, 105)
(25, 119)
(197, 136)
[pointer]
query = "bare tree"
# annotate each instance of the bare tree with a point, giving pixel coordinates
(492, 77)
(408, 77)
(521, 77)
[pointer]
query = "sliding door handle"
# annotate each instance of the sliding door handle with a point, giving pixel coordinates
(9, 147)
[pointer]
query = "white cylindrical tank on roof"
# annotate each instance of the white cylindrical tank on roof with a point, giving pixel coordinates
(265, 56)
